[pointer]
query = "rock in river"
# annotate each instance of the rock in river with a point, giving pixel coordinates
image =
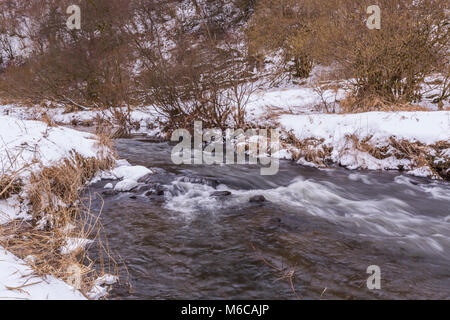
(199, 180)
(110, 193)
(220, 194)
(257, 199)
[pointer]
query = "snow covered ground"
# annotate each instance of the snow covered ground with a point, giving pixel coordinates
(17, 282)
(291, 99)
(425, 127)
(145, 116)
(29, 142)
(377, 129)
(27, 146)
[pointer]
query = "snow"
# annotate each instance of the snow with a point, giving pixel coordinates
(18, 282)
(27, 146)
(292, 99)
(129, 175)
(98, 290)
(27, 142)
(126, 185)
(376, 129)
(74, 245)
(107, 279)
(131, 172)
(12, 209)
(145, 116)
(422, 126)
(421, 172)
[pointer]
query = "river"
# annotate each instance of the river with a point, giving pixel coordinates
(313, 238)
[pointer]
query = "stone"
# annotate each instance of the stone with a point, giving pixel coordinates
(199, 180)
(220, 194)
(126, 185)
(257, 199)
(109, 193)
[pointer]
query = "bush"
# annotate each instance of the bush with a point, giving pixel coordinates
(270, 31)
(87, 67)
(390, 63)
(182, 57)
(202, 75)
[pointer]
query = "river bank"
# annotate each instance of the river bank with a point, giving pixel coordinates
(416, 142)
(43, 229)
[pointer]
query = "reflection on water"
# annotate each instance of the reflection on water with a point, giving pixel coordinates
(326, 225)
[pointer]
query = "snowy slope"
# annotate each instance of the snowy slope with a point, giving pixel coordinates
(426, 127)
(376, 129)
(26, 146)
(25, 141)
(17, 282)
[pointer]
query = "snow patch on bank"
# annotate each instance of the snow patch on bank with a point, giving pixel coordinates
(131, 172)
(27, 142)
(128, 175)
(17, 282)
(374, 128)
(144, 116)
(99, 290)
(26, 146)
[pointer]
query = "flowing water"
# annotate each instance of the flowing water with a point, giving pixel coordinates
(313, 238)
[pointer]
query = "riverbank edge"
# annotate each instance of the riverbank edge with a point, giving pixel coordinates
(44, 238)
(414, 142)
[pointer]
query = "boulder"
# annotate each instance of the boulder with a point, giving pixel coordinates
(110, 193)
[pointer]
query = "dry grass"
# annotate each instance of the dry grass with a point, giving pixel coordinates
(312, 150)
(53, 195)
(285, 273)
(62, 184)
(9, 185)
(421, 155)
(365, 146)
(41, 249)
(351, 104)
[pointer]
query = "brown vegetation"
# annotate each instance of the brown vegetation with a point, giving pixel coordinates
(53, 198)
(388, 64)
(421, 155)
(200, 59)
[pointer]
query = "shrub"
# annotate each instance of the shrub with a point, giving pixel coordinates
(203, 73)
(390, 63)
(87, 67)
